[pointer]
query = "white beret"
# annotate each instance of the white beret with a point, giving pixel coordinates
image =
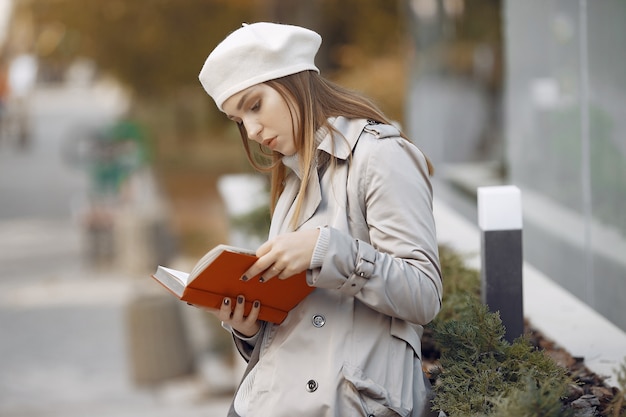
(256, 53)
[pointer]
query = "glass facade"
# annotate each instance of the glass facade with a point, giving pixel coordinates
(535, 97)
(565, 142)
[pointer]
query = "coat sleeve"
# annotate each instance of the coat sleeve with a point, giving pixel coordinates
(244, 344)
(397, 272)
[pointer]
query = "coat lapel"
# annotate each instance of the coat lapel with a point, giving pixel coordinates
(284, 205)
(339, 146)
(312, 198)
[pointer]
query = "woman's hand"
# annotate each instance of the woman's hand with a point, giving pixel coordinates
(234, 317)
(284, 256)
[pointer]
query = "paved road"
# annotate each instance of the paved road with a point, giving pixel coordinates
(63, 350)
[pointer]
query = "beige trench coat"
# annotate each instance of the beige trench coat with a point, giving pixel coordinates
(352, 347)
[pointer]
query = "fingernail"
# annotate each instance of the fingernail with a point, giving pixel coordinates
(261, 279)
(244, 278)
(256, 304)
(226, 301)
(239, 300)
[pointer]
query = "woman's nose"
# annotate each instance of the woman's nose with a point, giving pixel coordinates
(254, 129)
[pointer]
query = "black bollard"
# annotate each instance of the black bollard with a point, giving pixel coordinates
(500, 221)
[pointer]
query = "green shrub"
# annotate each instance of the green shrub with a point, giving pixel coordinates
(479, 372)
(532, 400)
(459, 281)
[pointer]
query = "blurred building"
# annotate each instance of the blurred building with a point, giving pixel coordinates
(536, 97)
(5, 13)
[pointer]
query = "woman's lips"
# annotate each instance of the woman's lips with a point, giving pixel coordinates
(270, 143)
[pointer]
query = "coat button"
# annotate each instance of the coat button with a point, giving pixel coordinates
(318, 320)
(311, 385)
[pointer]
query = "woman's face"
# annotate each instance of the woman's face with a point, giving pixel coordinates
(265, 115)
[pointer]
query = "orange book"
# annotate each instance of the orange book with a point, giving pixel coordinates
(217, 275)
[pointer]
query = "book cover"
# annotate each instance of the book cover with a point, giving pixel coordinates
(217, 275)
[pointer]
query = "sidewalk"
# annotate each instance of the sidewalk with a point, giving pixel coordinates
(64, 345)
(64, 348)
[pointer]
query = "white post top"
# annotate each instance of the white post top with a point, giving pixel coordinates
(499, 208)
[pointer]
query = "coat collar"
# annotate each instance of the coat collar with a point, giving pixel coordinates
(339, 144)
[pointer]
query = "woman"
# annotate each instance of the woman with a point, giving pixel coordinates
(352, 205)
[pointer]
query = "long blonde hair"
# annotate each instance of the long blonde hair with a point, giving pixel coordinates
(312, 100)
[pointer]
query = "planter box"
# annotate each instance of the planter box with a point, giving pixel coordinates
(550, 309)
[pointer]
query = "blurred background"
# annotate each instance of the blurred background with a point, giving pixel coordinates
(113, 160)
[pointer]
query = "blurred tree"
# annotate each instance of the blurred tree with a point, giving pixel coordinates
(156, 46)
(155, 49)
(151, 46)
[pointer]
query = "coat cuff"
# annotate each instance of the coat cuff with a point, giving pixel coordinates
(348, 264)
(363, 270)
(321, 247)
(251, 340)
(245, 345)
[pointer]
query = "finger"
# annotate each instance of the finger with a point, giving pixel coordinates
(285, 273)
(264, 249)
(261, 265)
(254, 312)
(265, 260)
(270, 273)
(238, 313)
(225, 311)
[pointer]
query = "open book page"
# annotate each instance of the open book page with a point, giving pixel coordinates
(183, 277)
(174, 280)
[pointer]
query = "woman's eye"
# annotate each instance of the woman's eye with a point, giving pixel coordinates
(256, 106)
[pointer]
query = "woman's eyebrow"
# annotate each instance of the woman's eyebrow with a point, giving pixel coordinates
(242, 99)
